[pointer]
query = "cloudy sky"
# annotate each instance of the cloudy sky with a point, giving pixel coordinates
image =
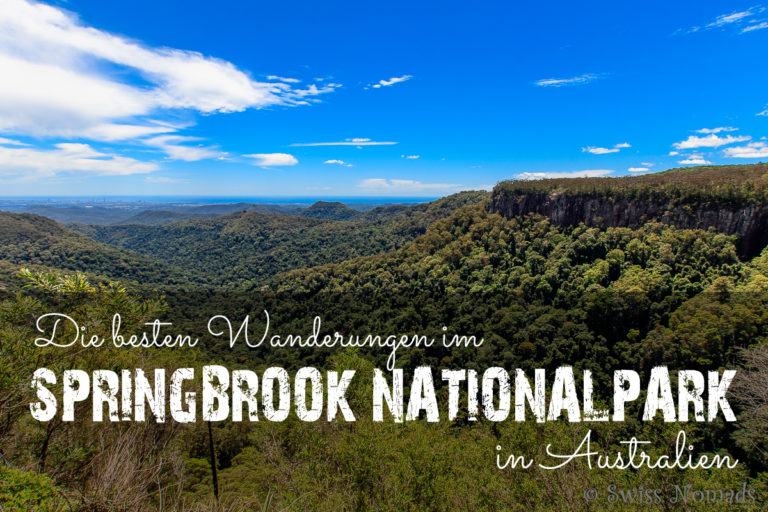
(370, 98)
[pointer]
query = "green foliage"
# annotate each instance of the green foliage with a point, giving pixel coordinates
(542, 296)
(105, 462)
(248, 248)
(331, 211)
(441, 467)
(27, 240)
(21, 491)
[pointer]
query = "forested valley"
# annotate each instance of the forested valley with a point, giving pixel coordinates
(542, 294)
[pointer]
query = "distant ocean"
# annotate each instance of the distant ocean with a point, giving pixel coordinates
(99, 200)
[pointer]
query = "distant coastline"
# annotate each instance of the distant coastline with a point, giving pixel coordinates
(183, 199)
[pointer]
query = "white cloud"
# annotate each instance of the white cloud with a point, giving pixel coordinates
(403, 185)
(170, 144)
(111, 132)
(561, 82)
(392, 81)
(736, 18)
(338, 162)
(710, 141)
(695, 159)
(55, 84)
(346, 142)
(647, 164)
(604, 151)
(272, 159)
(410, 157)
(756, 26)
(717, 130)
(726, 19)
(751, 150)
(9, 142)
(44, 100)
(639, 169)
(763, 113)
(283, 79)
(588, 173)
(163, 179)
(599, 151)
(674, 153)
(29, 163)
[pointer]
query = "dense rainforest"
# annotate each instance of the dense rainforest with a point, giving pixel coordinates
(541, 293)
(32, 240)
(245, 248)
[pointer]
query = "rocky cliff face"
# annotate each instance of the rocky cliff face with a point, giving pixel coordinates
(750, 222)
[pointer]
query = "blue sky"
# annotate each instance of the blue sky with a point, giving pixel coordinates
(370, 98)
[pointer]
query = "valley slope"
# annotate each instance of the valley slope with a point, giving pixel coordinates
(248, 247)
(31, 240)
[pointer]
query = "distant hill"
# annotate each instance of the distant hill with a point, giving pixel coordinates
(250, 247)
(339, 211)
(226, 208)
(132, 212)
(82, 214)
(161, 213)
(28, 239)
(162, 217)
(331, 211)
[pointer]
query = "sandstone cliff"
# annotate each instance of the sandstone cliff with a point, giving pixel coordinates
(748, 221)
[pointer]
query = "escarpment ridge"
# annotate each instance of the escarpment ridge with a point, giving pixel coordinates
(730, 199)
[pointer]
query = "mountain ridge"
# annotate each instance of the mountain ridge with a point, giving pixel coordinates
(30, 239)
(730, 199)
(253, 246)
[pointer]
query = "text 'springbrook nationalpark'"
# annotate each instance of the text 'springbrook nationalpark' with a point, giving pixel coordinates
(126, 393)
(240, 388)
(266, 256)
